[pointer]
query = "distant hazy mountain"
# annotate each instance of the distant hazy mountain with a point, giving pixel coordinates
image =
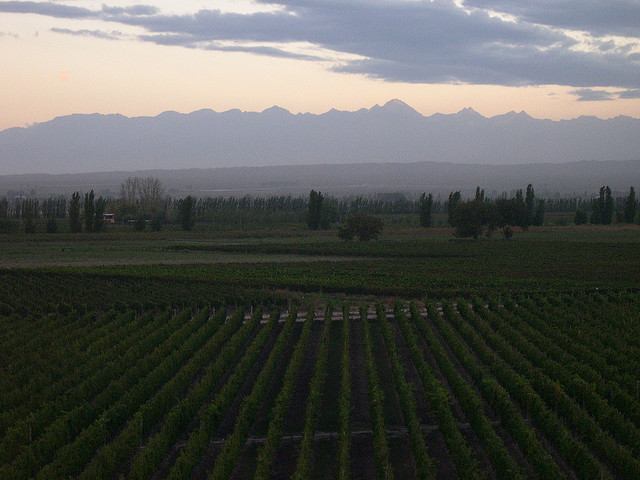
(394, 132)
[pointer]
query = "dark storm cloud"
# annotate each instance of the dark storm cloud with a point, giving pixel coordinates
(133, 10)
(47, 8)
(89, 33)
(272, 52)
(66, 11)
(598, 17)
(591, 95)
(189, 42)
(420, 42)
(630, 94)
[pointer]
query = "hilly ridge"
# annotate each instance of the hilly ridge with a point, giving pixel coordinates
(549, 179)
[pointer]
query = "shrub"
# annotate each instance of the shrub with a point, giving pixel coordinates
(52, 225)
(580, 217)
(8, 226)
(156, 223)
(468, 219)
(140, 223)
(365, 227)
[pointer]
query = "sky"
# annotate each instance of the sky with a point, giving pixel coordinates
(556, 59)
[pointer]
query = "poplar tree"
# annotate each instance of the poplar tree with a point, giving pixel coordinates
(98, 219)
(607, 213)
(426, 206)
(29, 225)
(74, 213)
(315, 210)
(603, 207)
(452, 203)
(630, 206)
(89, 211)
(529, 201)
(538, 214)
(186, 208)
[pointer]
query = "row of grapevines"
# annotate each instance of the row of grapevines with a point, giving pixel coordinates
(616, 313)
(424, 462)
(228, 339)
(344, 402)
(462, 455)
(588, 364)
(314, 401)
(471, 404)
(48, 429)
(98, 362)
(146, 459)
(575, 452)
(582, 342)
(380, 443)
(613, 343)
(36, 340)
(209, 414)
(234, 443)
(267, 454)
(493, 393)
(40, 358)
(541, 353)
(553, 393)
(164, 363)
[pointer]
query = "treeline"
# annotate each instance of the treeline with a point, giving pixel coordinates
(142, 203)
(480, 215)
(605, 208)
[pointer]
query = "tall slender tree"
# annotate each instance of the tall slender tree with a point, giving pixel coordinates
(426, 206)
(607, 213)
(452, 203)
(74, 213)
(98, 220)
(186, 209)
(530, 203)
(597, 208)
(630, 206)
(89, 210)
(314, 215)
(602, 207)
(538, 214)
(29, 225)
(520, 210)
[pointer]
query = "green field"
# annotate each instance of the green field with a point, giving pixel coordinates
(279, 353)
(404, 262)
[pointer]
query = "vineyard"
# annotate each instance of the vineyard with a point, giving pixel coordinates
(542, 385)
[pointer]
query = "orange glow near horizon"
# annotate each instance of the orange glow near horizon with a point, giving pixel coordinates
(44, 74)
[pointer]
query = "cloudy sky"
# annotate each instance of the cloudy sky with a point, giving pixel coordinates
(552, 58)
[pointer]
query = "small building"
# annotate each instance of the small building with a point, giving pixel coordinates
(109, 218)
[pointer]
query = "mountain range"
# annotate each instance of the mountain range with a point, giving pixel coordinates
(394, 133)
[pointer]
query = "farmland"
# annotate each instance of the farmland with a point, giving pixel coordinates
(293, 356)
